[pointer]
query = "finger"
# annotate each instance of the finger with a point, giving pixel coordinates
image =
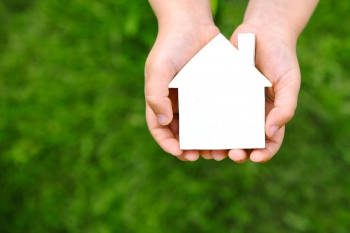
(158, 75)
(182, 158)
(219, 155)
(162, 134)
(239, 156)
(206, 154)
(174, 127)
(272, 146)
(191, 155)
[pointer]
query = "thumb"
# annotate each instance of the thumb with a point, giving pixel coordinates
(157, 78)
(285, 104)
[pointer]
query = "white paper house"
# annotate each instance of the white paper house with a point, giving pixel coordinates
(222, 97)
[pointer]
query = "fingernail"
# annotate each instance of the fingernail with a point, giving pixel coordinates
(273, 130)
(162, 119)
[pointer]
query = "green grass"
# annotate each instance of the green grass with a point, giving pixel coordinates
(76, 155)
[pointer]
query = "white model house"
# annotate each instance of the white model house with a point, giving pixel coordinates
(222, 97)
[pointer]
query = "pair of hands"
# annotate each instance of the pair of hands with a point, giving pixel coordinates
(178, 42)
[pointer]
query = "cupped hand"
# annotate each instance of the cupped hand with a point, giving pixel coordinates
(176, 44)
(276, 59)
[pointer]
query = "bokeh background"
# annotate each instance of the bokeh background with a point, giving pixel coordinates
(76, 155)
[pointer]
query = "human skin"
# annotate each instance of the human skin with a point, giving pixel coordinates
(186, 26)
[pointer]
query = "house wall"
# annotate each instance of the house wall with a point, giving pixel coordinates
(222, 118)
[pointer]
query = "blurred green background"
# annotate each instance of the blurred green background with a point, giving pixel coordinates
(76, 155)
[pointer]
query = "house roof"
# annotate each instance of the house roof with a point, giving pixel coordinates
(219, 64)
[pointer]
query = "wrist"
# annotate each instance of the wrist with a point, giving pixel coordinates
(182, 13)
(286, 18)
(269, 28)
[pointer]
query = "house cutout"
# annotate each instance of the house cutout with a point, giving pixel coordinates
(222, 97)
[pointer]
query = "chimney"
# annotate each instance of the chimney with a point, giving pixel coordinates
(246, 47)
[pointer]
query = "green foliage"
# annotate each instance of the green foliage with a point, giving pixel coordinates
(214, 6)
(76, 155)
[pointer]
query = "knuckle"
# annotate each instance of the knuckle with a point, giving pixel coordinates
(152, 100)
(150, 65)
(154, 64)
(289, 114)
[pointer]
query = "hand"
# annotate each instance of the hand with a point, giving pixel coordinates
(277, 25)
(176, 44)
(276, 59)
